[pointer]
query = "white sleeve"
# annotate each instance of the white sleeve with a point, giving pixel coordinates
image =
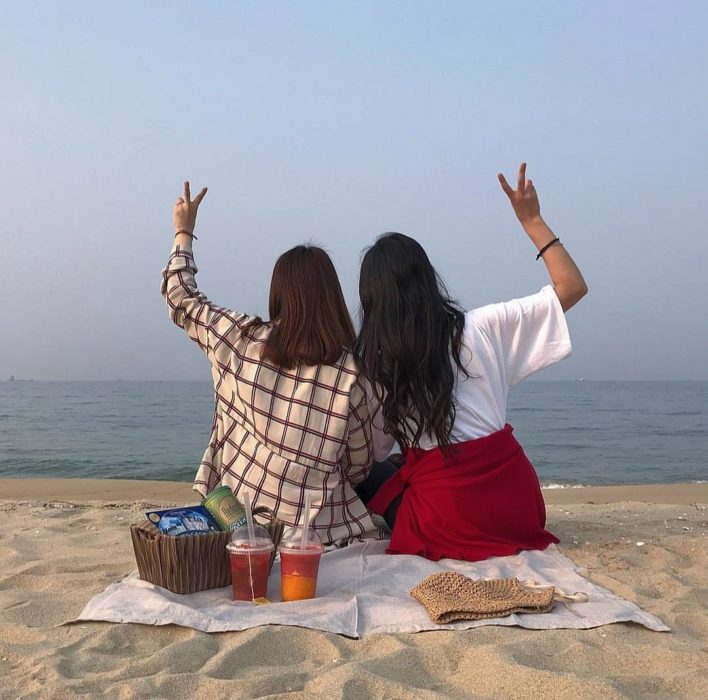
(530, 333)
(382, 443)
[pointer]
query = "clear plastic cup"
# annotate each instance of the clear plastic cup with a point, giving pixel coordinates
(250, 563)
(299, 566)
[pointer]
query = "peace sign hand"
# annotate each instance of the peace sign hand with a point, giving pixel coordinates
(524, 199)
(185, 213)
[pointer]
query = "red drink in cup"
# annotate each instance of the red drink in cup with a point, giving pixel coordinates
(250, 563)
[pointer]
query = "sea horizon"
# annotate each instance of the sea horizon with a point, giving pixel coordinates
(576, 433)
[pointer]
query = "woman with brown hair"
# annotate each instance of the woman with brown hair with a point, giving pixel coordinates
(290, 414)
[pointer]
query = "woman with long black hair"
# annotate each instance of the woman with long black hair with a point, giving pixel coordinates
(440, 377)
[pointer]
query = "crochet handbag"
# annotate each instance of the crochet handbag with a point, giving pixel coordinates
(449, 596)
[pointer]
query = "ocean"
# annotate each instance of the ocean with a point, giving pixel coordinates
(575, 433)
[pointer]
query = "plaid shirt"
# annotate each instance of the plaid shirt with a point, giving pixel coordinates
(277, 433)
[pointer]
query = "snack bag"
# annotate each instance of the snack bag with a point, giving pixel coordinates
(183, 521)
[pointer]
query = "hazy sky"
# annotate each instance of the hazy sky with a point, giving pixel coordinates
(336, 121)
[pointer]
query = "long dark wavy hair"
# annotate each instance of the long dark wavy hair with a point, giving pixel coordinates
(411, 334)
(311, 322)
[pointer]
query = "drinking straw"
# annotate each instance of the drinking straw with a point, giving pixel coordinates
(306, 524)
(249, 518)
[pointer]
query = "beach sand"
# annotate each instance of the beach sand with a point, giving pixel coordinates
(63, 541)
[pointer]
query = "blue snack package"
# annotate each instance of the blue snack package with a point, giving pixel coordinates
(192, 520)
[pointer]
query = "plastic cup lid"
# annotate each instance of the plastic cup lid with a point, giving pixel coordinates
(240, 540)
(292, 541)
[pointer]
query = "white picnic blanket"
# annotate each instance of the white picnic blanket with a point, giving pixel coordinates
(362, 590)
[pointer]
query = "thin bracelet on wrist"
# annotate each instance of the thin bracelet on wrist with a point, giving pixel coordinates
(188, 233)
(547, 246)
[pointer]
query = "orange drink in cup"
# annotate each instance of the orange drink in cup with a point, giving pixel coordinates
(299, 566)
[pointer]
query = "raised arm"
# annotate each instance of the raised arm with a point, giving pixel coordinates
(567, 280)
(186, 305)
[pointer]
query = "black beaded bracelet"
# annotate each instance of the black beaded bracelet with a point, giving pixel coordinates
(189, 233)
(546, 247)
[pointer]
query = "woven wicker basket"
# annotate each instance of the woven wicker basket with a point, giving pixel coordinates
(189, 563)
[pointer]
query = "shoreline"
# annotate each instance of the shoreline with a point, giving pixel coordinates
(180, 493)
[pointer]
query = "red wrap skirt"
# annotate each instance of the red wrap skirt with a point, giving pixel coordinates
(483, 500)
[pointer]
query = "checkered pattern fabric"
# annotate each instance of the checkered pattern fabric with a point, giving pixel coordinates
(277, 433)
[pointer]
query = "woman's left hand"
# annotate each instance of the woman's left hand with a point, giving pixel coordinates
(185, 213)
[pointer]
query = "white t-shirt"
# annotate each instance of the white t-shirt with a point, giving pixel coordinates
(502, 344)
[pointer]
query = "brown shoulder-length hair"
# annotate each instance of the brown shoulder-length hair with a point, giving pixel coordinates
(312, 324)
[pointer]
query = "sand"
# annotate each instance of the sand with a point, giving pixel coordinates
(63, 541)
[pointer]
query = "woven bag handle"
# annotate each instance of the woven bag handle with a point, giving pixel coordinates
(558, 594)
(275, 526)
(264, 510)
(566, 599)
